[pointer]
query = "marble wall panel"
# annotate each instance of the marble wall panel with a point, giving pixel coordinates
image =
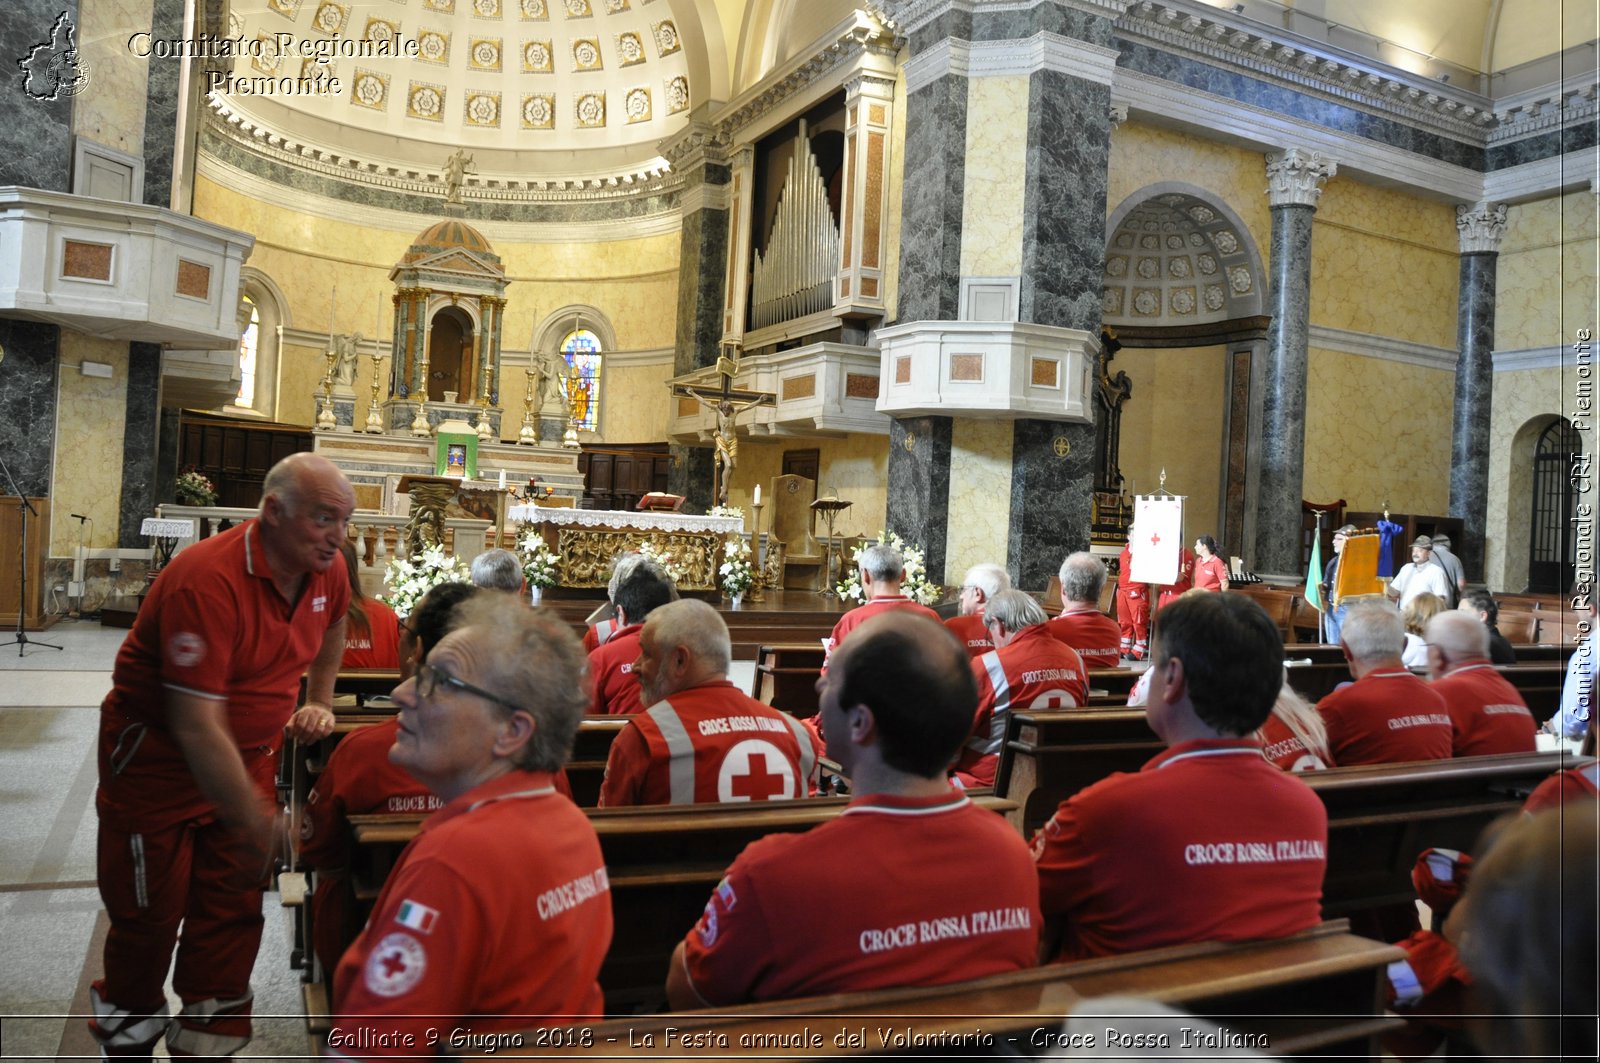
(88, 468)
(161, 104)
(1175, 421)
(918, 505)
(933, 191)
(633, 405)
(36, 135)
(980, 514)
(1578, 136)
(1052, 477)
(891, 227)
(992, 215)
(1546, 276)
(1525, 402)
(111, 111)
(140, 438)
(1377, 431)
(1058, 19)
(28, 403)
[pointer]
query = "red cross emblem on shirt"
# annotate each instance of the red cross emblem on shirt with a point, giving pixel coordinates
(758, 784)
(394, 964)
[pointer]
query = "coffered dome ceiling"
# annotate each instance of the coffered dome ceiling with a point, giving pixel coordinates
(527, 85)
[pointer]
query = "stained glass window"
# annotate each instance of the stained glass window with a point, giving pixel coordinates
(247, 357)
(581, 348)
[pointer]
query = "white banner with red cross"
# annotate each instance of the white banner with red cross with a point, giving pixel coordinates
(1157, 539)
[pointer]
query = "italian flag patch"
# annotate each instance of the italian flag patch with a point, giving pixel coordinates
(418, 917)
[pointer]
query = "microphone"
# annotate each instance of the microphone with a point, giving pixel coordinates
(79, 516)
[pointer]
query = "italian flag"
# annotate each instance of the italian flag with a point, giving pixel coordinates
(418, 917)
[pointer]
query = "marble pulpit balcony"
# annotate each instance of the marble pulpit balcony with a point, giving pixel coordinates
(822, 389)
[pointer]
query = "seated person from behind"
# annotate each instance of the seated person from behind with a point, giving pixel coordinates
(897, 703)
(700, 738)
(1027, 669)
(599, 633)
(1487, 715)
(498, 914)
(358, 779)
(499, 570)
(1294, 737)
(1208, 841)
(1482, 605)
(882, 571)
(981, 583)
(372, 631)
(1415, 615)
(643, 588)
(1387, 715)
(1081, 624)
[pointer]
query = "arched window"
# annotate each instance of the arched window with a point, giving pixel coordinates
(247, 356)
(1555, 499)
(581, 348)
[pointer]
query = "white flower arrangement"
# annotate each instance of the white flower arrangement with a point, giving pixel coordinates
(917, 587)
(408, 579)
(737, 572)
(541, 566)
(668, 563)
(726, 511)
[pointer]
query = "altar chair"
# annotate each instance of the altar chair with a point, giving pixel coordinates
(792, 522)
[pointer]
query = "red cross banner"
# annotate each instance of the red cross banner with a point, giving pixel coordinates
(1157, 538)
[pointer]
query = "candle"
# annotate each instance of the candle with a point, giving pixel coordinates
(333, 300)
(502, 479)
(377, 325)
(757, 500)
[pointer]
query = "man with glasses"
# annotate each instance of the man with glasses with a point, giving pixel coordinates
(498, 914)
(189, 740)
(1028, 669)
(981, 583)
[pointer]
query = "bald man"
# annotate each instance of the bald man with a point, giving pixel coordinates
(1487, 715)
(202, 691)
(700, 738)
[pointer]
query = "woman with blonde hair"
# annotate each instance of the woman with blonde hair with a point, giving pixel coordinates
(1294, 737)
(1416, 614)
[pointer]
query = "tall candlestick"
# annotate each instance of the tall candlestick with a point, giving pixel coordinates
(377, 324)
(333, 300)
(756, 501)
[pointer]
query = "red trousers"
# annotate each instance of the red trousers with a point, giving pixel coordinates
(1133, 617)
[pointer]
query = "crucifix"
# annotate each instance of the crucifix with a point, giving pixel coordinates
(727, 404)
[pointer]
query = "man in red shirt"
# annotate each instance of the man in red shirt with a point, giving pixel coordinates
(1387, 715)
(1171, 592)
(1487, 715)
(189, 739)
(883, 570)
(1208, 842)
(701, 739)
(498, 914)
(1133, 607)
(600, 632)
(1081, 624)
(643, 588)
(932, 888)
(1027, 669)
(978, 587)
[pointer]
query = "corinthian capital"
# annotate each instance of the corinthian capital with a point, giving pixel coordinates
(1295, 177)
(1480, 227)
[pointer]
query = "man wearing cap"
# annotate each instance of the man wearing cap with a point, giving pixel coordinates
(1420, 575)
(1330, 579)
(1453, 571)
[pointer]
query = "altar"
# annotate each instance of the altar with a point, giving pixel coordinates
(589, 540)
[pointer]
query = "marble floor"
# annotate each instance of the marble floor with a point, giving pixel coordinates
(51, 922)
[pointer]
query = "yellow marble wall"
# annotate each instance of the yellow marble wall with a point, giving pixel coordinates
(110, 110)
(896, 178)
(1175, 420)
(1143, 154)
(1546, 275)
(1377, 430)
(1524, 403)
(991, 213)
(854, 468)
(633, 404)
(1385, 262)
(980, 495)
(300, 372)
(633, 282)
(87, 477)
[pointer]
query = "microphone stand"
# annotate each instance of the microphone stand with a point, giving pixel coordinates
(21, 640)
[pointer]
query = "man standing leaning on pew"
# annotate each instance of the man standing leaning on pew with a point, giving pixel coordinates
(700, 738)
(1208, 841)
(932, 889)
(499, 911)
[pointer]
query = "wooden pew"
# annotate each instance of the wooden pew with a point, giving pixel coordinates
(1048, 756)
(1316, 991)
(662, 862)
(788, 673)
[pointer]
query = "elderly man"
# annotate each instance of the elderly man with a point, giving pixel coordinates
(1387, 715)
(978, 587)
(1455, 573)
(1133, 607)
(1487, 715)
(1482, 605)
(599, 633)
(897, 703)
(883, 570)
(1081, 624)
(189, 740)
(498, 914)
(498, 570)
(1419, 575)
(1027, 669)
(1209, 841)
(701, 739)
(643, 589)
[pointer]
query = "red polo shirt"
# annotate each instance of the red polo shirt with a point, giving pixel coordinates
(971, 633)
(1207, 842)
(1574, 784)
(214, 626)
(1095, 636)
(616, 688)
(1386, 717)
(379, 645)
(866, 611)
(1033, 671)
(1487, 715)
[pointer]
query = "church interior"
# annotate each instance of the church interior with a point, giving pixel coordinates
(986, 270)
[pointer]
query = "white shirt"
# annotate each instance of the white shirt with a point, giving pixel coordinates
(1577, 693)
(1414, 579)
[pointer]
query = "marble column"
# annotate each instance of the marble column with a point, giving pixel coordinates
(161, 107)
(28, 403)
(919, 484)
(701, 155)
(140, 432)
(36, 136)
(169, 428)
(1295, 178)
(1480, 228)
